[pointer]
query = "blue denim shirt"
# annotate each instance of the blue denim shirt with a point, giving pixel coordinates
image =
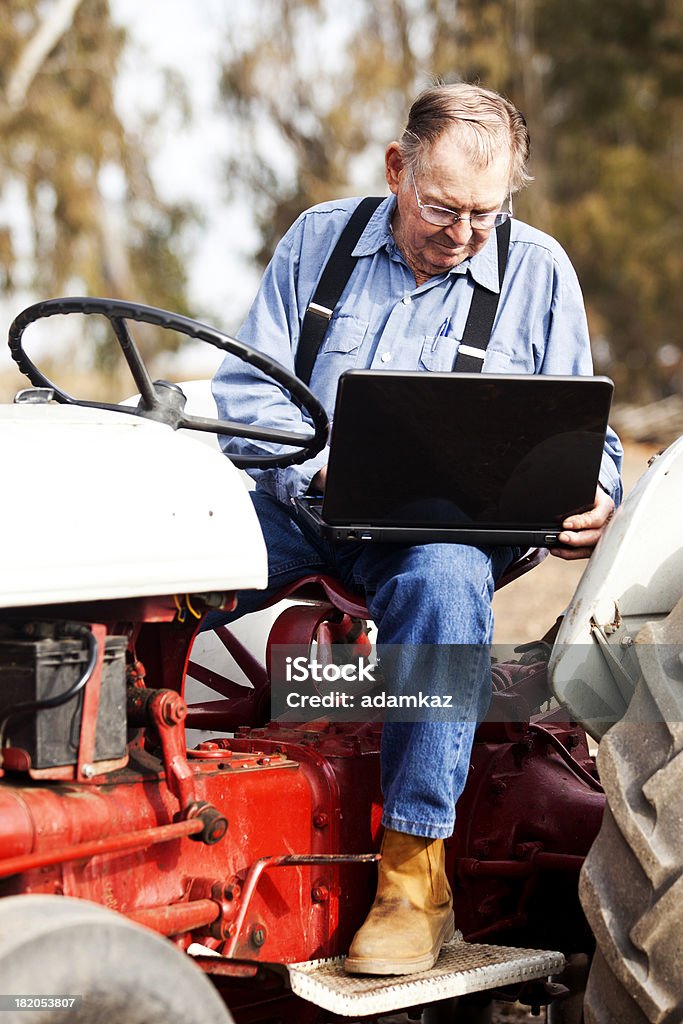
(383, 321)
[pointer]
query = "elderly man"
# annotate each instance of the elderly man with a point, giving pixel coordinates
(451, 175)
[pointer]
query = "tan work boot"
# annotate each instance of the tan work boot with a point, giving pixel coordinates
(412, 915)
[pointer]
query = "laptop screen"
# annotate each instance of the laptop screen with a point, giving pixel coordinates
(439, 449)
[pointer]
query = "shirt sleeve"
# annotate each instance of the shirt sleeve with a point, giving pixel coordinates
(610, 469)
(246, 395)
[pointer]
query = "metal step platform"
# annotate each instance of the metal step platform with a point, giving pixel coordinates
(462, 967)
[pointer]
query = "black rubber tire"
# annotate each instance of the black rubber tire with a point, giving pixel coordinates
(632, 882)
(54, 945)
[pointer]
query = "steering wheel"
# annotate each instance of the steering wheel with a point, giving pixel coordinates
(161, 400)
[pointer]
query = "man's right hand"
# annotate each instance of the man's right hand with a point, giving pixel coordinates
(582, 532)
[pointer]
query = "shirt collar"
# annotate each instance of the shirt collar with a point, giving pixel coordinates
(483, 267)
(377, 233)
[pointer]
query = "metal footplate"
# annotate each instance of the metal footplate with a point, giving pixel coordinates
(462, 967)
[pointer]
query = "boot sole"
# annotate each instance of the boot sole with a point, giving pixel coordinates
(412, 965)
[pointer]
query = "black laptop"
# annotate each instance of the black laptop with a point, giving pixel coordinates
(468, 458)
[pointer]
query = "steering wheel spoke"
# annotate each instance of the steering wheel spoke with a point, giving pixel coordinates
(231, 429)
(163, 401)
(132, 356)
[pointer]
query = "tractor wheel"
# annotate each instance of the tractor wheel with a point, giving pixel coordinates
(632, 882)
(57, 946)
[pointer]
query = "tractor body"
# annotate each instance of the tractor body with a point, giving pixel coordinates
(257, 844)
(254, 849)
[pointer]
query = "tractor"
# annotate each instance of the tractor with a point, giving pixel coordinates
(171, 853)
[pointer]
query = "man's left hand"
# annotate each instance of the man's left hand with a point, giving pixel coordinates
(582, 532)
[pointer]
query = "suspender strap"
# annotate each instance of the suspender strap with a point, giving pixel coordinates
(334, 278)
(470, 356)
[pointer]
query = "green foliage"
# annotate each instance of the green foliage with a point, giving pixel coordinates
(319, 94)
(61, 139)
(313, 92)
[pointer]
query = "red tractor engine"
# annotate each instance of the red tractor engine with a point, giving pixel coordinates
(260, 847)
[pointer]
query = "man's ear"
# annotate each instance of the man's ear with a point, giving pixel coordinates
(393, 165)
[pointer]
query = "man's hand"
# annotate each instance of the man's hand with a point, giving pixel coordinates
(583, 532)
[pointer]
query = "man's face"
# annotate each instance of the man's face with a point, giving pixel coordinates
(451, 181)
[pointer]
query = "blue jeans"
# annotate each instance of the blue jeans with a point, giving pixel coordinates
(428, 594)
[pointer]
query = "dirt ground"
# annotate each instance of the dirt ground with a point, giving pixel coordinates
(502, 1013)
(525, 609)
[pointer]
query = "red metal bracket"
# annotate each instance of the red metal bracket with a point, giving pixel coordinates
(246, 891)
(167, 711)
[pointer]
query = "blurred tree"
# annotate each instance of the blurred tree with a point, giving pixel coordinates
(97, 225)
(602, 85)
(318, 93)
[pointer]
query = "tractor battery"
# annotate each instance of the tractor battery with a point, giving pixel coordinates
(37, 669)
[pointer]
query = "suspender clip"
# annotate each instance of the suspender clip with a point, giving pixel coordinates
(320, 310)
(470, 350)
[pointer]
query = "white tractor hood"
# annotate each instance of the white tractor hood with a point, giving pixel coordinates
(634, 576)
(100, 505)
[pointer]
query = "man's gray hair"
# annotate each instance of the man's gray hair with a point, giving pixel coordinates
(486, 123)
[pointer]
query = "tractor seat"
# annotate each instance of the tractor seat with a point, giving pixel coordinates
(320, 587)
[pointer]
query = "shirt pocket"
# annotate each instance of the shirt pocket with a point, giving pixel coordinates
(344, 337)
(438, 353)
(505, 361)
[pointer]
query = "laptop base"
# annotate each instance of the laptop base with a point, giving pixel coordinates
(479, 536)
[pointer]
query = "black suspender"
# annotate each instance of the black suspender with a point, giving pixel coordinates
(330, 287)
(475, 338)
(338, 269)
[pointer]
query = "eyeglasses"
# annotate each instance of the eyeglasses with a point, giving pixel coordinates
(445, 218)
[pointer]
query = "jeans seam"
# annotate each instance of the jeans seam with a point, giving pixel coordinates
(295, 564)
(405, 825)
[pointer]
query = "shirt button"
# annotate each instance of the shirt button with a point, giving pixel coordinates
(406, 300)
(385, 357)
